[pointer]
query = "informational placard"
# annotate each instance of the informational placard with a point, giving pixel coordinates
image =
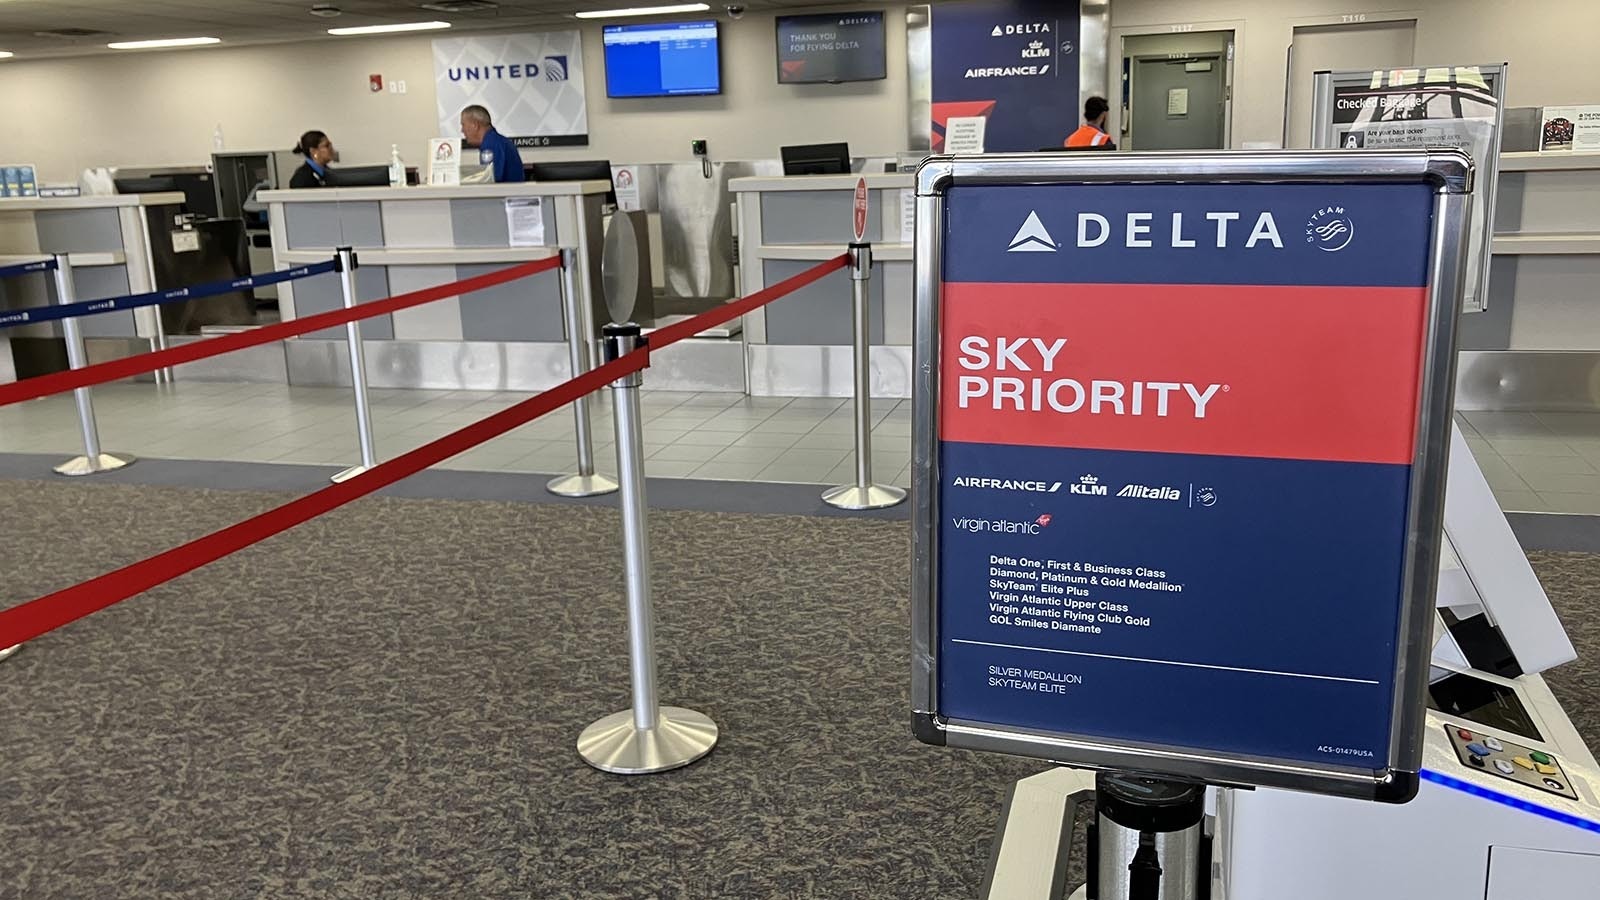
(19, 181)
(858, 209)
(1177, 101)
(444, 161)
(532, 85)
(636, 188)
(525, 221)
(1180, 505)
(1438, 106)
(1012, 62)
(964, 134)
(1569, 128)
(831, 48)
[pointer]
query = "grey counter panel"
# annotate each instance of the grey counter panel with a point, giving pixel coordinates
(816, 217)
(79, 230)
(321, 294)
(528, 309)
(821, 312)
(341, 224)
(482, 223)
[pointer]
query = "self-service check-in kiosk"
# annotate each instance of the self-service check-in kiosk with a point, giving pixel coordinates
(1179, 520)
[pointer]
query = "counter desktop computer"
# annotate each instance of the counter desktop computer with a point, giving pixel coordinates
(816, 159)
(573, 170)
(359, 176)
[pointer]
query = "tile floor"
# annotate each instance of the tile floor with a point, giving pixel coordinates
(1536, 462)
(720, 436)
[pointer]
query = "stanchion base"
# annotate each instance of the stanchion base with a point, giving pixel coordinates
(83, 465)
(581, 486)
(875, 496)
(680, 737)
(8, 652)
(347, 474)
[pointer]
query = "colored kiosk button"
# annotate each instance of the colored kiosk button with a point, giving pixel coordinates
(1543, 769)
(1464, 734)
(1477, 749)
(1524, 762)
(1540, 756)
(1504, 767)
(1476, 760)
(1493, 744)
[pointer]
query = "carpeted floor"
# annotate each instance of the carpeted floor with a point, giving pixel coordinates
(384, 702)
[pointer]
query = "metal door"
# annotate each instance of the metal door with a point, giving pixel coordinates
(1178, 103)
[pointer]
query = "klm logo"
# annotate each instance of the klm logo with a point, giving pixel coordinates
(1090, 486)
(1032, 237)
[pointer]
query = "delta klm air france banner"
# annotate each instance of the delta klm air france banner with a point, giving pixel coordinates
(1176, 430)
(532, 84)
(1010, 62)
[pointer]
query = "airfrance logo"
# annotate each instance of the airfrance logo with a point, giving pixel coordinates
(1006, 484)
(555, 68)
(1032, 237)
(1330, 229)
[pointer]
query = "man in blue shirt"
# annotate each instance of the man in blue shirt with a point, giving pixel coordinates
(495, 150)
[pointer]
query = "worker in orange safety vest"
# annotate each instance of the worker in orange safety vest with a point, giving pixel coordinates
(1093, 134)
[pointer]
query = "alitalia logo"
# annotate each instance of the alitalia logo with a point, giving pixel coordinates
(1146, 492)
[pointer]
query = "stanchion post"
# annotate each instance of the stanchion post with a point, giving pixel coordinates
(648, 737)
(93, 459)
(7, 652)
(164, 375)
(585, 483)
(863, 494)
(358, 368)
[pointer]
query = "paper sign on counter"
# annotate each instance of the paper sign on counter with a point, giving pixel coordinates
(964, 134)
(525, 221)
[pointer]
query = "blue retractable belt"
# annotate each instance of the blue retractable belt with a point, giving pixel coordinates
(38, 265)
(155, 298)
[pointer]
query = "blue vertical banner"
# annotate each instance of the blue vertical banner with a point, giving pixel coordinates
(1013, 63)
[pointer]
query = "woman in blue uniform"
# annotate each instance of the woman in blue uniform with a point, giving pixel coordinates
(318, 151)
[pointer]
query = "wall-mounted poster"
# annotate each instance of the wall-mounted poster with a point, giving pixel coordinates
(1570, 128)
(1013, 62)
(532, 85)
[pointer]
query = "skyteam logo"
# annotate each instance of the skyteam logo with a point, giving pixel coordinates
(1330, 229)
(1032, 237)
(555, 68)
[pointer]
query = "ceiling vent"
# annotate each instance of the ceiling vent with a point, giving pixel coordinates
(460, 6)
(326, 11)
(71, 33)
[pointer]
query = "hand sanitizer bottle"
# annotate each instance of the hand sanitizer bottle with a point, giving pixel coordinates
(397, 167)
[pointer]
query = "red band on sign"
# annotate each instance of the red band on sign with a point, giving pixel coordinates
(1317, 373)
(100, 373)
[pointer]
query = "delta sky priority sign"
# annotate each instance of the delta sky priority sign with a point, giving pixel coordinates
(1180, 439)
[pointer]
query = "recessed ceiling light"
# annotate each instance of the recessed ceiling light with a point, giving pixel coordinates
(385, 29)
(642, 11)
(163, 42)
(6, 54)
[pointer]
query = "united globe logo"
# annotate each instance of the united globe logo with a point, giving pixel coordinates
(1331, 229)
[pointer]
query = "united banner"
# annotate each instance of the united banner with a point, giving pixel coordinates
(532, 85)
(1011, 62)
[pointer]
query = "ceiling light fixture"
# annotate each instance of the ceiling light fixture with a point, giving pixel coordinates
(163, 42)
(6, 54)
(642, 11)
(386, 29)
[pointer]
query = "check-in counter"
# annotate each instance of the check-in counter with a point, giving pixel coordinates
(800, 345)
(1537, 345)
(508, 337)
(108, 239)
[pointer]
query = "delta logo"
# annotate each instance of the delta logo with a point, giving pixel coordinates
(1024, 28)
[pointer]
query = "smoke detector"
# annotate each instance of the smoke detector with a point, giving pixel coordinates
(326, 11)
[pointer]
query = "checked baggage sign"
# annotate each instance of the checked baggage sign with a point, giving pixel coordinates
(1180, 433)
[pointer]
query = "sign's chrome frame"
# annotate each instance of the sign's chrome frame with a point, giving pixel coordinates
(1450, 172)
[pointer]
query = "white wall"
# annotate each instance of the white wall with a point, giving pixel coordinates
(160, 108)
(1543, 41)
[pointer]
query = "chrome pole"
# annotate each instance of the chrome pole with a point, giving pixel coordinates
(585, 483)
(648, 737)
(863, 494)
(162, 375)
(93, 459)
(358, 368)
